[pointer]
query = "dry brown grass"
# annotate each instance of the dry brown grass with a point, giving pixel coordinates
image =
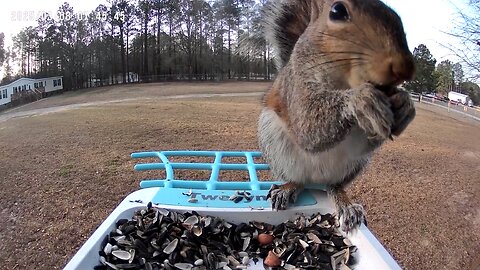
(63, 173)
(141, 92)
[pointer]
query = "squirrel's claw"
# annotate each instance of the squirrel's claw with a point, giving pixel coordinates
(351, 217)
(282, 195)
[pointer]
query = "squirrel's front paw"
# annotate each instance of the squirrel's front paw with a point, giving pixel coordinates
(403, 111)
(372, 110)
(282, 195)
(351, 217)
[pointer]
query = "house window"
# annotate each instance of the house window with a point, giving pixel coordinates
(54, 83)
(35, 85)
(59, 82)
(41, 84)
(5, 93)
(14, 90)
(24, 87)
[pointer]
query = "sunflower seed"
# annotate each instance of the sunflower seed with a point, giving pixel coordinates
(171, 246)
(122, 254)
(157, 238)
(183, 266)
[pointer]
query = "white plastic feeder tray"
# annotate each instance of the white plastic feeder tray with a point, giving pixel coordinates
(212, 197)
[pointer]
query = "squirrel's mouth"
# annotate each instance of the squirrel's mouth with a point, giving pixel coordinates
(383, 87)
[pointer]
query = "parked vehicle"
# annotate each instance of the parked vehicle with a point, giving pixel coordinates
(429, 95)
(458, 97)
(455, 102)
(441, 98)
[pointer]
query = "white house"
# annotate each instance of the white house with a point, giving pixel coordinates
(41, 85)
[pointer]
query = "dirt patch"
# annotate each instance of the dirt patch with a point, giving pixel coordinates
(63, 173)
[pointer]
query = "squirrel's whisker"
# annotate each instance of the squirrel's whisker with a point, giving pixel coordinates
(366, 44)
(336, 61)
(333, 62)
(343, 65)
(326, 53)
(369, 41)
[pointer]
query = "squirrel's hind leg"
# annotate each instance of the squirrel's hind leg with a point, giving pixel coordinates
(281, 196)
(351, 215)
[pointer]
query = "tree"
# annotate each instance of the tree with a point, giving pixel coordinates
(156, 39)
(71, 34)
(100, 68)
(22, 49)
(230, 13)
(158, 13)
(48, 47)
(25, 44)
(458, 75)
(467, 31)
(7, 68)
(424, 80)
(2, 49)
(445, 77)
(472, 90)
(144, 13)
(121, 15)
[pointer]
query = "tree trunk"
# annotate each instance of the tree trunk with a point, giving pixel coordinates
(127, 62)
(145, 42)
(229, 52)
(158, 53)
(170, 45)
(122, 52)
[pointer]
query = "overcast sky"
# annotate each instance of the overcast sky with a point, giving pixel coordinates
(424, 20)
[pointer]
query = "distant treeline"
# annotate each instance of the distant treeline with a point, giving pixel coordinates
(149, 40)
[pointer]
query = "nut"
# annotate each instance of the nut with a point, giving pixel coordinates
(265, 239)
(272, 260)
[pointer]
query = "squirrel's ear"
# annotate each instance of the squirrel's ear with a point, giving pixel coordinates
(315, 12)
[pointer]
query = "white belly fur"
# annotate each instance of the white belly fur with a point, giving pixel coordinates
(291, 163)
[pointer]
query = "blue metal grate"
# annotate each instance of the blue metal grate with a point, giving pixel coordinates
(172, 187)
(215, 167)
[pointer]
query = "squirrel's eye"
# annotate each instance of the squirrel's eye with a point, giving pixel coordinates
(339, 12)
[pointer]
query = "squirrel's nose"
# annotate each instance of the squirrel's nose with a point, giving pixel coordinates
(402, 68)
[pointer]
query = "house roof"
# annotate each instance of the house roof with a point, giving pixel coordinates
(30, 79)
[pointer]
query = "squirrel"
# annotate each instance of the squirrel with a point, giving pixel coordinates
(336, 98)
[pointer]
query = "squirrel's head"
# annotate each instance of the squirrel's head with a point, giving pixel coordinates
(362, 39)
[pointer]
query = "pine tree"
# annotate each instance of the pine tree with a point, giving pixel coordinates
(424, 80)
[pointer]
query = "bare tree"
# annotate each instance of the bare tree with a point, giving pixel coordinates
(2, 50)
(467, 30)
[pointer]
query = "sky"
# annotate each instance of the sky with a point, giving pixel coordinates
(424, 20)
(428, 22)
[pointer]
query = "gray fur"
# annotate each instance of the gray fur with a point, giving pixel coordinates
(334, 113)
(278, 15)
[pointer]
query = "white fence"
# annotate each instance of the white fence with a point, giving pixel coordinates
(472, 112)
